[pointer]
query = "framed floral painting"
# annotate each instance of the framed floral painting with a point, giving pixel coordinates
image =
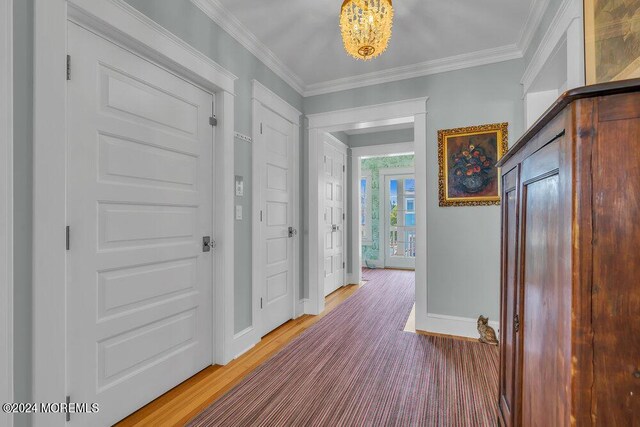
(612, 40)
(467, 157)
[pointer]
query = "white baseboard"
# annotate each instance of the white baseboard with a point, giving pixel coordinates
(300, 308)
(309, 308)
(244, 341)
(454, 325)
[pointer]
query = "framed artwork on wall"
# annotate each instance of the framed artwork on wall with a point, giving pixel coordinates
(467, 157)
(612, 40)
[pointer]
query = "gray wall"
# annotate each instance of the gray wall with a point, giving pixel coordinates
(189, 23)
(463, 244)
(22, 202)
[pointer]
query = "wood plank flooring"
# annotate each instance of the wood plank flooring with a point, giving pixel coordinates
(183, 402)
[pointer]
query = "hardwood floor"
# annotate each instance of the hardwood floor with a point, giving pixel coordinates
(186, 400)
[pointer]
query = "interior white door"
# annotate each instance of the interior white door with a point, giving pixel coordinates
(139, 201)
(399, 221)
(334, 217)
(277, 228)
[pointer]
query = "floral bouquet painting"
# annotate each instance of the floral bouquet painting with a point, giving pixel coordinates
(467, 157)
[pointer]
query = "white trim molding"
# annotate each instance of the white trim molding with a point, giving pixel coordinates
(224, 234)
(122, 24)
(216, 11)
(6, 207)
(435, 66)
(454, 325)
(369, 116)
(568, 16)
(407, 111)
(272, 101)
(236, 29)
(534, 18)
(145, 36)
(383, 232)
(244, 341)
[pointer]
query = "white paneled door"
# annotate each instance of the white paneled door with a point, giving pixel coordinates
(277, 225)
(334, 217)
(139, 202)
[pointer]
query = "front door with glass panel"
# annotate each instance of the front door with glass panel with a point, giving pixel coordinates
(399, 221)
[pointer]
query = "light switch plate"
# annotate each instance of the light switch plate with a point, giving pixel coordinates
(239, 186)
(238, 212)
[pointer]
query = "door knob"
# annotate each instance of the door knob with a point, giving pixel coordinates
(292, 232)
(207, 244)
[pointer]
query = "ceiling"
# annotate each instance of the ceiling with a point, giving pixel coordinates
(302, 38)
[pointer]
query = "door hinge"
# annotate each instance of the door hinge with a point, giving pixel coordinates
(213, 121)
(260, 128)
(68, 67)
(260, 303)
(67, 410)
(343, 216)
(260, 216)
(343, 264)
(67, 237)
(344, 168)
(516, 323)
(325, 159)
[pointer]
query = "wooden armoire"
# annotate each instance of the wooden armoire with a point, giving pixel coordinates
(570, 300)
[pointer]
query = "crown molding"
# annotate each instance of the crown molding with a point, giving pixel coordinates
(232, 25)
(457, 62)
(236, 29)
(568, 11)
(534, 18)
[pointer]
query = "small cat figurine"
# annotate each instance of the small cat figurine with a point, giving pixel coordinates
(487, 334)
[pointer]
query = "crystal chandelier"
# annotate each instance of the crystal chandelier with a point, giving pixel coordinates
(366, 27)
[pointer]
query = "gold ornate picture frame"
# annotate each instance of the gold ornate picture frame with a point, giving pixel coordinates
(467, 157)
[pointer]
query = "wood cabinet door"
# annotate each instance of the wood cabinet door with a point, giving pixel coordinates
(545, 320)
(509, 318)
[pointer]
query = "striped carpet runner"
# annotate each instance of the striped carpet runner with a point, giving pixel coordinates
(357, 367)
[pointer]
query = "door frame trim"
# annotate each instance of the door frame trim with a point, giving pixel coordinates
(382, 176)
(343, 148)
(129, 28)
(263, 97)
(406, 111)
(6, 214)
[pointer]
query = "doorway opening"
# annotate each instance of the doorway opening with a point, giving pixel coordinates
(387, 195)
(362, 124)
